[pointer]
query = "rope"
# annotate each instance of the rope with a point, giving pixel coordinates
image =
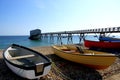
(59, 72)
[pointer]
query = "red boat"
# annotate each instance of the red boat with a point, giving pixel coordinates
(102, 44)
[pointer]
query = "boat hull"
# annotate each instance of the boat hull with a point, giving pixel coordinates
(93, 61)
(22, 66)
(102, 44)
(110, 39)
(29, 74)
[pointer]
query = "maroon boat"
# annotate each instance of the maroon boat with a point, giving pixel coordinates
(102, 44)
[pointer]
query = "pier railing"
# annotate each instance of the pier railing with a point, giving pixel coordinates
(99, 30)
(59, 35)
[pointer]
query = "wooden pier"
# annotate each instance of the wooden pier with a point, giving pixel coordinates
(81, 33)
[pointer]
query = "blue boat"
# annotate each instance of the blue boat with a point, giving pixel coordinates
(110, 39)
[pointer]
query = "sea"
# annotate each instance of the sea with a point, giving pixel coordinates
(6, 41)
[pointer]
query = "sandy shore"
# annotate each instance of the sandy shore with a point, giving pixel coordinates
(60, 71)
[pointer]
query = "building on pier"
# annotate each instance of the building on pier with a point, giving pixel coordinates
(35, 34)
(81, 33)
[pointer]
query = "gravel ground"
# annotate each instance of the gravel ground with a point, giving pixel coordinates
(65, 70)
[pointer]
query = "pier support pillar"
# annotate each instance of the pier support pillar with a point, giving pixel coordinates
(46, 36)
(102, 34)
(41, 36)
(69, 39)
(51, 38)
(59, 39)
(81, 37)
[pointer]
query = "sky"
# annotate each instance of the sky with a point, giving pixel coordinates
(18, 17)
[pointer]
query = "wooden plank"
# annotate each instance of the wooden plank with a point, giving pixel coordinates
(71, 51)
(20, 57)
(100, 54)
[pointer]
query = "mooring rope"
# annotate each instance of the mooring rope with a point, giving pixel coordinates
(59, 72)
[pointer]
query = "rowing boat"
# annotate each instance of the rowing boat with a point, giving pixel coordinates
(26, 62)
(90, 58)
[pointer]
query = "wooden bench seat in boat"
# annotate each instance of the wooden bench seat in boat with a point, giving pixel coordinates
(70, 51)
(20, 57)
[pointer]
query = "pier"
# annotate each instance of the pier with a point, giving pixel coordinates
(81, 33)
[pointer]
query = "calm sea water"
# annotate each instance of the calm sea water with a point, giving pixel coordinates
(5, 41)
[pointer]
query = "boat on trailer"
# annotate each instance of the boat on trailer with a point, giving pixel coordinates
(26, 62)
(90, 58)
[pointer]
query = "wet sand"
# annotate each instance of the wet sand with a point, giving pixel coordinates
(65, 70)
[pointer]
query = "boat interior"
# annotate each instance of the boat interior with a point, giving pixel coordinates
(21, 56)
(75, 49)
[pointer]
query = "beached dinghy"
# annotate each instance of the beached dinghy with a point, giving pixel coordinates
(102, 44)
(26, 62)
(90, 58)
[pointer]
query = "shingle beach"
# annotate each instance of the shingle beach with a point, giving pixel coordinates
(65, 70)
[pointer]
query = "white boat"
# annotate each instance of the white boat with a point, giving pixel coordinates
(26, 62)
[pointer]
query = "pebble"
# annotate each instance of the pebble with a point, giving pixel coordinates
(65, 71)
